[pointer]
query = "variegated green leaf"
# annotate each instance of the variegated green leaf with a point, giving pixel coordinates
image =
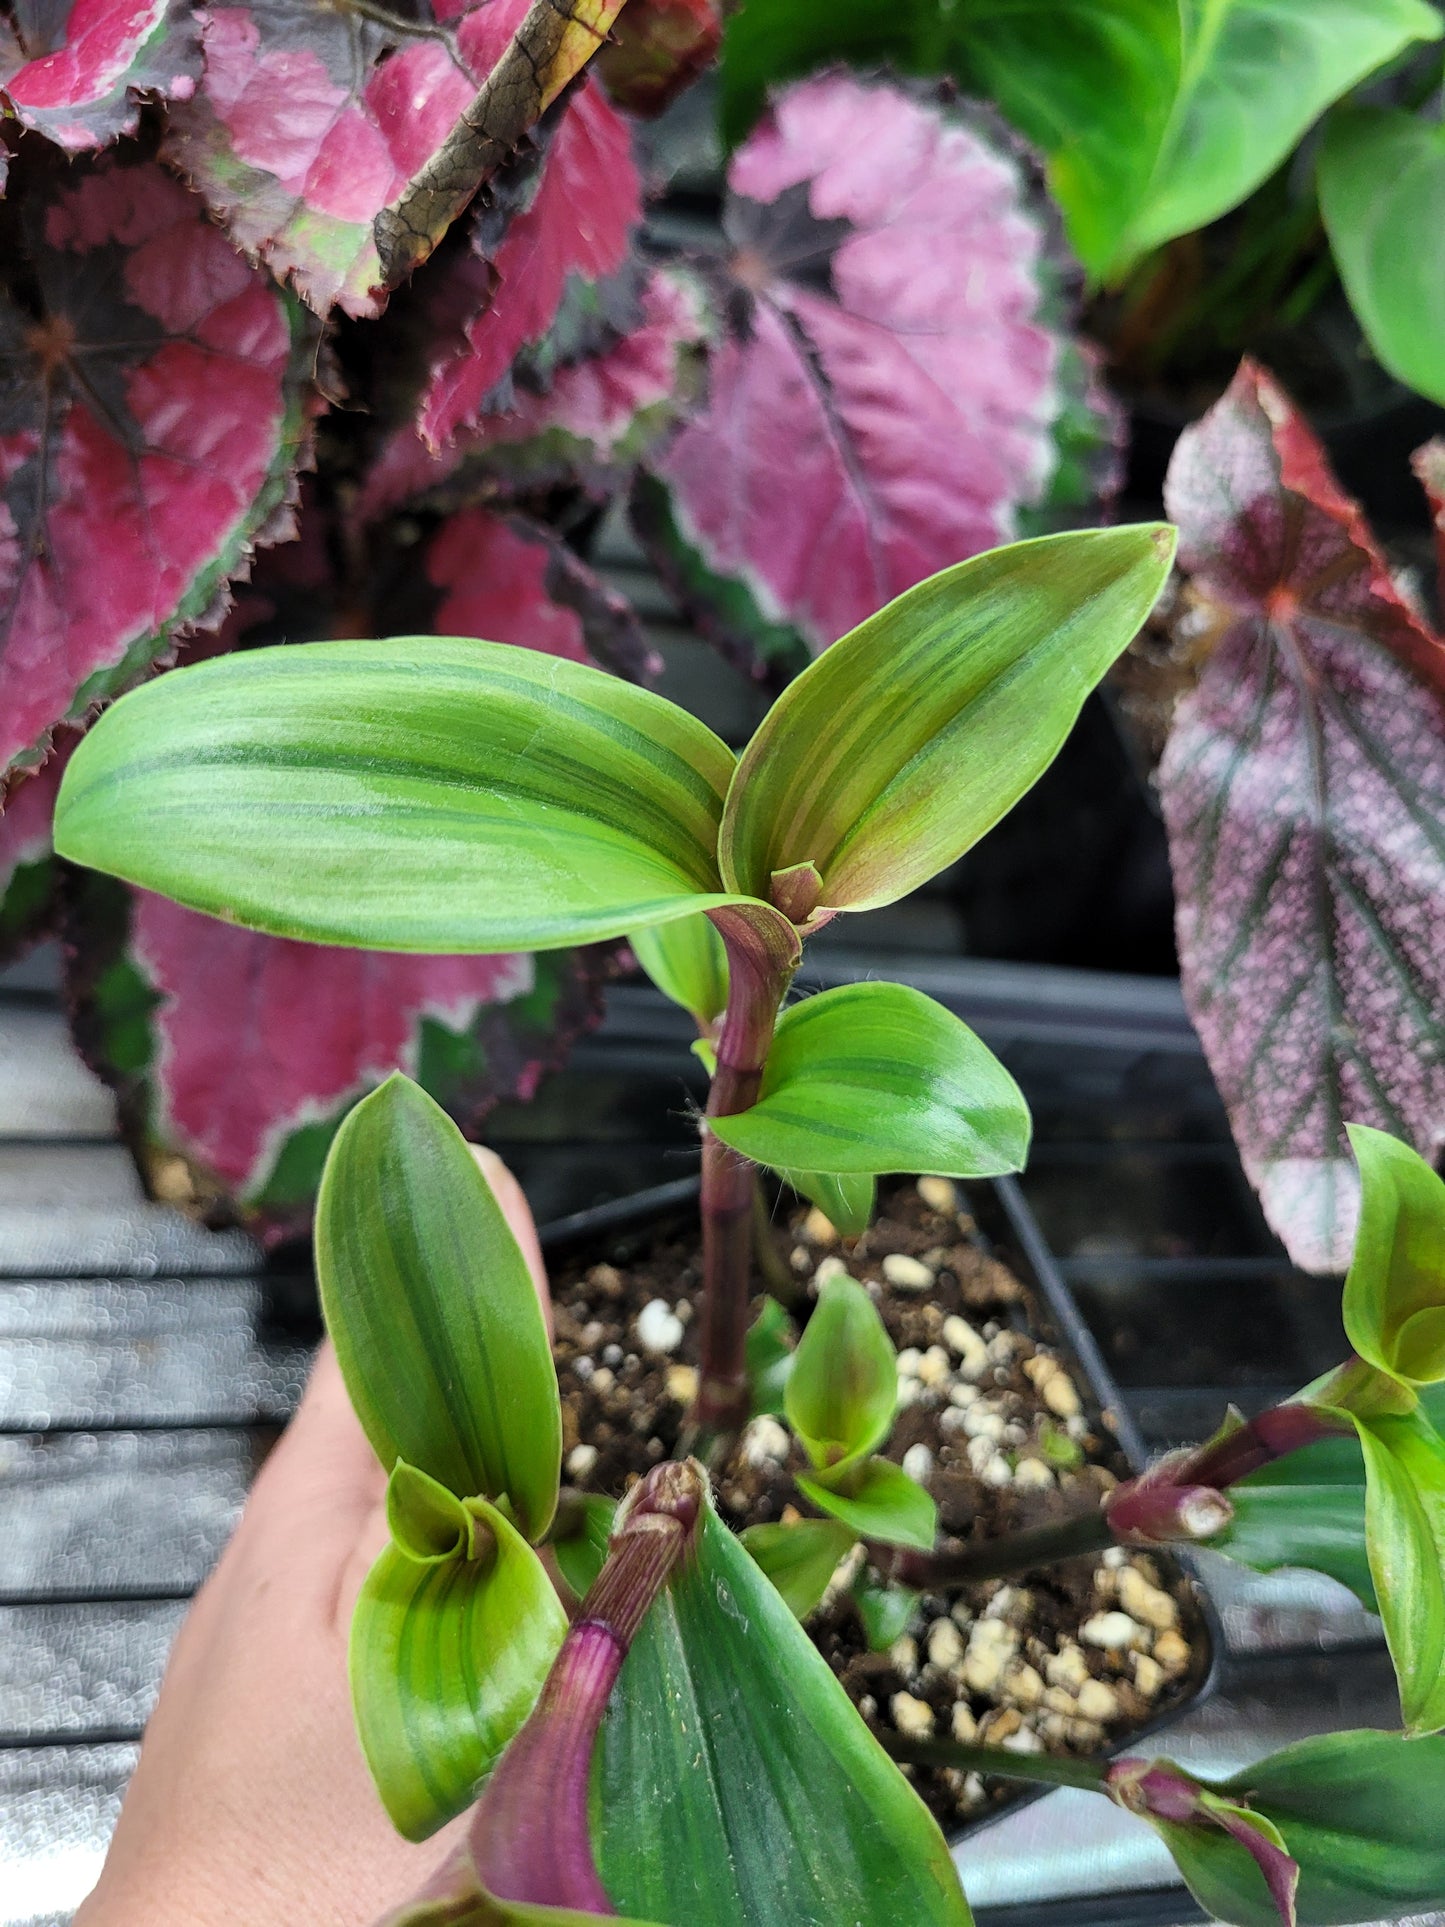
(876, 1077)
(1394, 1304)
(433, 1310)
(901, 745)
(425, 793)
(449, 1649)
(1405, 1536)
(843, 1389)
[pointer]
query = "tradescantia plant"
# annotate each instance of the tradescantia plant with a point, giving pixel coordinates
(465, 796)
(462, 794)
(469, 1681)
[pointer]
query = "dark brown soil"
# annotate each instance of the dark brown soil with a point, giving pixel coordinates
(994, 1421)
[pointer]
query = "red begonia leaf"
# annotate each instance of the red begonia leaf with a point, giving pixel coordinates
(27, 861)
(1429, 466)
(658, 47)
(154, 406)
(1304, 791)
(236, 1056)
(549, 274)
(338, 143)
(593, 425)
(897, 391)
(77, 70)
(511, 580)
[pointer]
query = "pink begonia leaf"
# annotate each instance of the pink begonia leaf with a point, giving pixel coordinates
(27, 862)
(590, 429)
(154, 408)
(78, 70)
(507, 579)
(897, 391)
(658, 48)
(235, 1056)
(550, 272)
(1429, 465)
(339, 143)
(1303, 786)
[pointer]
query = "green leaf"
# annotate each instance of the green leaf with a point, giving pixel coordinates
(1304, 1510)
(687, 962)
(448, 1654)
(1405, 1535)
(768, 1355)
(1360, 1814)
(1156, 116)
(736, 1783)
(845, 1199)
(800, 1558)
(879, 1501)
(1253, 75)
(901, 745)
(1381, 185)
(580, 1543)
(1394, 1303)
(886, 1611)
(424, 793)
(877, 1077)
(843, 1389)
(432, 1309)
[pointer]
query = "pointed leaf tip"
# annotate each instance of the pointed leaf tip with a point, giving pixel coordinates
(433, 1310)
(884, 761)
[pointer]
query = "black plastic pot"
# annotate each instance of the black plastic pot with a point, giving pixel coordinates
(623, 1227)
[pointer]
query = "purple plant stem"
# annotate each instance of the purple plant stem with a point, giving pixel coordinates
(530, 1838)
(759, 971)
(1258, 1442)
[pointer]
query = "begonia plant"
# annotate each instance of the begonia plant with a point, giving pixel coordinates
(341, 320)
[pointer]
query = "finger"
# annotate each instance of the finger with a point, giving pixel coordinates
(518, 1213)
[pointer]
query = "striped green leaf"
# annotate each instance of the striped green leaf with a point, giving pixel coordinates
(1394, 1304)
(1359, 1812)
(735, 1782)
(901, 745)
(449, 1649)
(877, 1077)
(425, 793)
(1405, 1536)
(843, 1389)
(433, 1311)
(877, 1500)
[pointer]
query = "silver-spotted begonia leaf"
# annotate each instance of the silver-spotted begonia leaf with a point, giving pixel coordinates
(338, 143)
(77, 70)
(1303, 786)
(549, 272)
(896, 391)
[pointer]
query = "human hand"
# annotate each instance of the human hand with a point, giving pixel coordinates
(251, 1805)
